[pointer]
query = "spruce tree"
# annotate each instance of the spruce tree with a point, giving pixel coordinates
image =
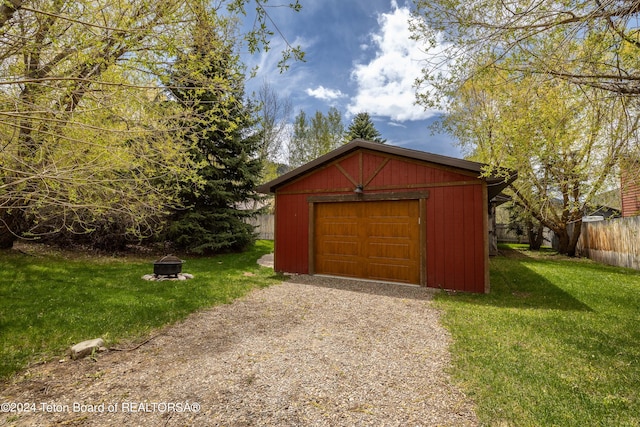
(362, 127)
(209, 82)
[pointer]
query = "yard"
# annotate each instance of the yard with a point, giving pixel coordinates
(556, 342)
(52, 300)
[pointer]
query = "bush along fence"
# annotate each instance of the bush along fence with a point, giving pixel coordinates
(614, 242)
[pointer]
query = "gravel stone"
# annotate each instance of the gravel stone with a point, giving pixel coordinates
(313, 351)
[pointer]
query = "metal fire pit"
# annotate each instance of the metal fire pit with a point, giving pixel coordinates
(168, 265)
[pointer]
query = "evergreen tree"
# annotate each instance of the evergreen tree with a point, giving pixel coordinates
(209, 82)
(362, 127)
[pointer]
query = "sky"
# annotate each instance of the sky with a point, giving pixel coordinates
(358, 58)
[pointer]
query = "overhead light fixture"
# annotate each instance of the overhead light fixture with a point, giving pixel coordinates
(359, 189)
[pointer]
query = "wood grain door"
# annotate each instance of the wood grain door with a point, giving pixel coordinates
(376, 240)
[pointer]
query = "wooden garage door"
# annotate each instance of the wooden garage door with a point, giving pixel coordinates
(376, 240)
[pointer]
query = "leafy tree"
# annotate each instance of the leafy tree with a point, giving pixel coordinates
(564, 142)
(208, 80)
(362, 127)
(88, 138)
(83, 140)
(593, 43)
(522, 222)
(274, 114)
(315, 137)
(259, 36)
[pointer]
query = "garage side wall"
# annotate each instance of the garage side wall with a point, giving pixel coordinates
(456, 246)
(456, 241)
(292, 234)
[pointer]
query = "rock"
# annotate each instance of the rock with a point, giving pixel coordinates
(160, 278)
(85, 348)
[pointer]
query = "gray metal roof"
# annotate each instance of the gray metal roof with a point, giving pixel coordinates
(495, 184)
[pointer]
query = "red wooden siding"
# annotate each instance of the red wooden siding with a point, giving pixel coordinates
(292, 234)
(630, 193)
(455, 238)
(456, 246)
(329, 177)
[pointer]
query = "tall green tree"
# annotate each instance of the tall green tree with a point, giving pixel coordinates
(84, 143)
(88, 139)
(564, 142)
(362, 127)
(593, 43)
(315, 137)
(208, 80)
(585, 54)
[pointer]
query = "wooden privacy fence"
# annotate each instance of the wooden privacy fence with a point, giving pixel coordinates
(265, 226)
(505, 235)
(613, 242)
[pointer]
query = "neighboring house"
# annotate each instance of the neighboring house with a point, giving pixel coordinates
(378, 212)
(606, 205)
(630, 193)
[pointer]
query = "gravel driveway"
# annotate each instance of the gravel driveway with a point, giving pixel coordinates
(308, 352)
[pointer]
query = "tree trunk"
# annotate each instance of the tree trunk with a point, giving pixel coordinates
(7, 238)
(10, 228)
(563, 240)
(568, 238)
(536, 236)
(575, 235)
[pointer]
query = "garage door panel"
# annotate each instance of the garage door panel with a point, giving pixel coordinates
(392, 273)
(338, 211)
(338, 267)
(372, 240)
(339, 227)
(389, 251)
(333, 248)
(389, 230)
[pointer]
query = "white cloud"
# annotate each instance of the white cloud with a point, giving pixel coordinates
(325, 94)
(397, 125)
(267, 68)
(385, 85)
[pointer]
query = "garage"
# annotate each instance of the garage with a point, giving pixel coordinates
(383, 213)
(377, 240)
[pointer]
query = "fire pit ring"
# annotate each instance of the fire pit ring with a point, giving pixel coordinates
(168, 265)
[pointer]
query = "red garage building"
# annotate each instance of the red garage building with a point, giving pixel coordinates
(378, 212)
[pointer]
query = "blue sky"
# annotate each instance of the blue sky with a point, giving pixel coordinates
(358, 58)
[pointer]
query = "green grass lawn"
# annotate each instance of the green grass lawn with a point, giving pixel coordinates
(555, 343)
(50, 301)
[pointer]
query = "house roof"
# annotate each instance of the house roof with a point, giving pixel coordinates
(609, 199)
(495, 184)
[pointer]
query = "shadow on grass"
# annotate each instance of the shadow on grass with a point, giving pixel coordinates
(514, 285)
